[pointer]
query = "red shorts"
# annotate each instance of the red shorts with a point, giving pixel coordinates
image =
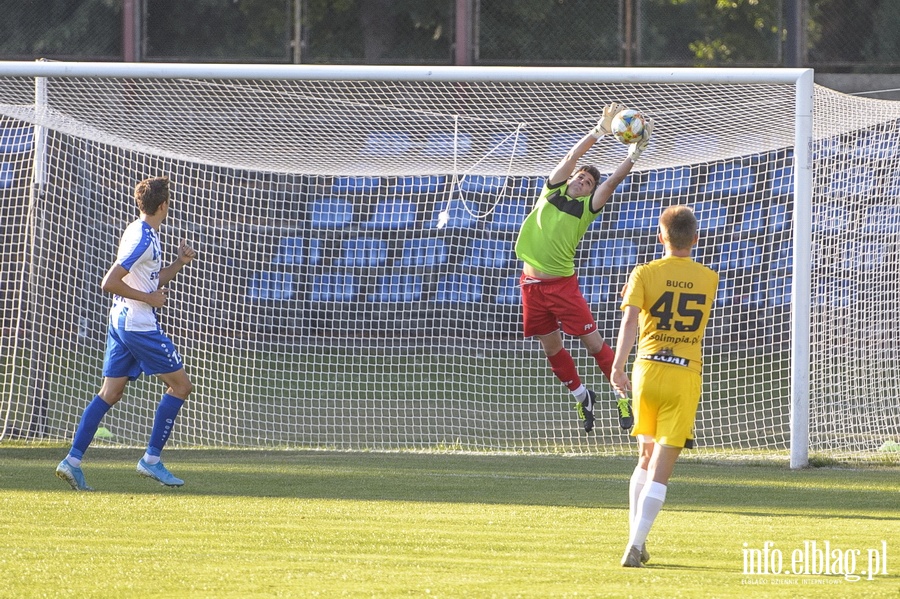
(547, 304)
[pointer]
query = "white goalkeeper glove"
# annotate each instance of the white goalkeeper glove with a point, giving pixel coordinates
(635, 149)
(604, 125)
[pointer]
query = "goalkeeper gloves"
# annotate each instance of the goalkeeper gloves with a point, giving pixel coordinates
(604, 125)
(635, 149)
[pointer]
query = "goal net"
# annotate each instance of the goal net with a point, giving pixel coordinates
(356, 287)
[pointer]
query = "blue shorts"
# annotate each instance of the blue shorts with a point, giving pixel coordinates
(130, 353)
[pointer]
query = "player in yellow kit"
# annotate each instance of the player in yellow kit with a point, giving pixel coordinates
(666, 306)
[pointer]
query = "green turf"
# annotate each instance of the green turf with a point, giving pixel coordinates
(319, 524)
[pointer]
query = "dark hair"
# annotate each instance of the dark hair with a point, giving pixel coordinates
(592, 171)
(151, 193)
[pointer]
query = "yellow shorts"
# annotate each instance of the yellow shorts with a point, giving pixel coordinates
(665, 399)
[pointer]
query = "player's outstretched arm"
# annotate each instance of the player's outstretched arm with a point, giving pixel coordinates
(567, 165)
(604, 125)
(637, 148)
(605, 190)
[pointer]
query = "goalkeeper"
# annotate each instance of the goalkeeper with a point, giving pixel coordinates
(571, 199)
(666, 306)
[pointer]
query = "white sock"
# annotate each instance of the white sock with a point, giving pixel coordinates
(650, 503)
(74, 462)
(635, 486)
(151, 459)
(580, 393)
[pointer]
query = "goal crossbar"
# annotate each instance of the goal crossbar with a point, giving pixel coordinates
(149, 70)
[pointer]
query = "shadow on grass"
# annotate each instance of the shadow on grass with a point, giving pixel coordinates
(579, 482)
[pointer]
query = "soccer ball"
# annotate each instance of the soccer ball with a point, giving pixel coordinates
(628, 126)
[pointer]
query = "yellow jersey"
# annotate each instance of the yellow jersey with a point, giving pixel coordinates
(675, 296)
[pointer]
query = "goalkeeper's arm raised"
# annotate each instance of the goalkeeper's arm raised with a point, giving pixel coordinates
(567, 165)
(605, 190)
(635, 149)
(604, 125)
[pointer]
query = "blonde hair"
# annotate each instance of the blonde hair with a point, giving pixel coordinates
(678, 226)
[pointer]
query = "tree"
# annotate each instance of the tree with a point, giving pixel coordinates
(710, 33)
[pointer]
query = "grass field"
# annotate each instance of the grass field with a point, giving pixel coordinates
(319, 524)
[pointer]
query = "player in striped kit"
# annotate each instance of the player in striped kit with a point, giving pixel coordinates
(135, 342)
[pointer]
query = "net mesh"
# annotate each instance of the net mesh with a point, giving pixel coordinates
(356, 286)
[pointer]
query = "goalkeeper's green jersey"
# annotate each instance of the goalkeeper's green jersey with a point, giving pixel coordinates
(551, 232)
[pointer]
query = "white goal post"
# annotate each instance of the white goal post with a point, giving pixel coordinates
(355, 286)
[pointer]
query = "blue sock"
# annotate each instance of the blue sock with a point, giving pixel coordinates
(163, 422)
(87, 428)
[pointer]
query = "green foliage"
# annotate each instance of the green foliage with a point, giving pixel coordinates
(724, 33)
(859, 34)
(334, 34)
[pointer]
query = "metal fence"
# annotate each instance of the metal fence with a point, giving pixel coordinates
(852, 36)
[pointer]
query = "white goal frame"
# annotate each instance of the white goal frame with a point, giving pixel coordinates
(801, 79)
